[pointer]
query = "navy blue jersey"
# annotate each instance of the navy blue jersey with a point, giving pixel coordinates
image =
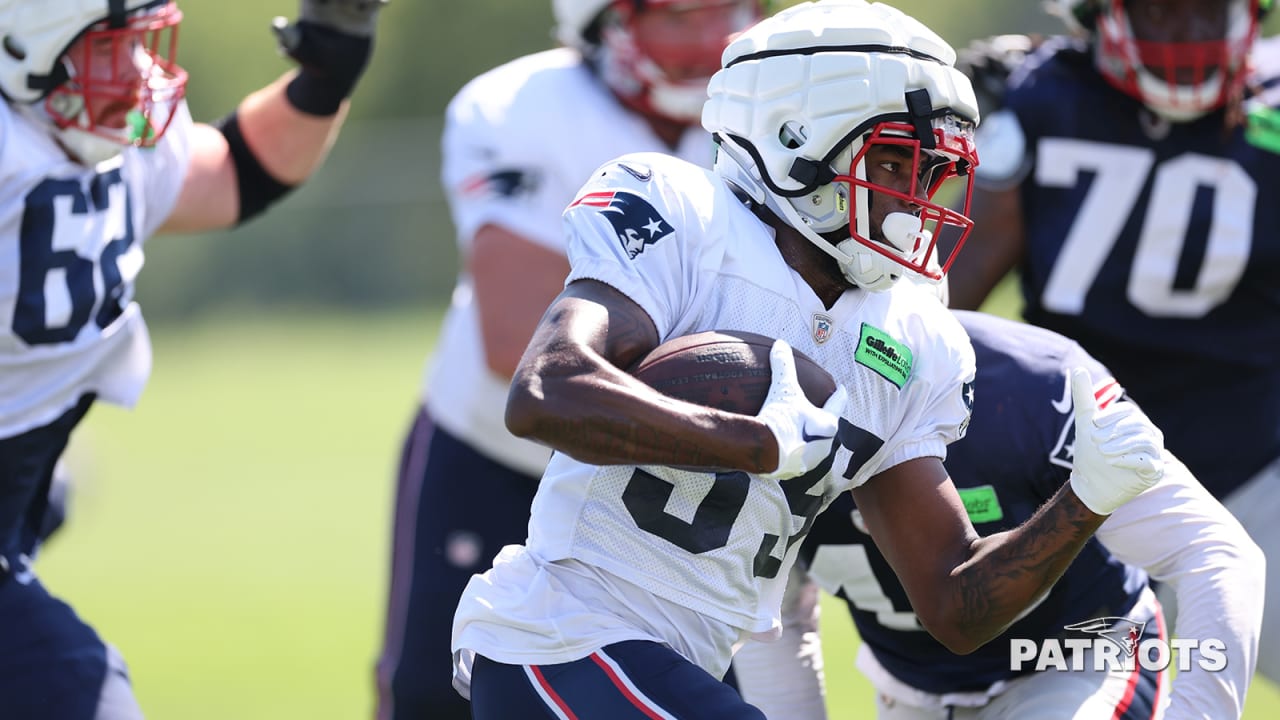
(1022, 407)
(1156, 245)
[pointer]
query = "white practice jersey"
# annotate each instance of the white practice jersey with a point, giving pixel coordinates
(519, 141)
(70, 248)
(713, 548)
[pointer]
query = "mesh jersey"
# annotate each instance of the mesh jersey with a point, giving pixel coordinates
(1155, 246)
(676, 240)
(70, 248)
(519, 140)
(1023, 405)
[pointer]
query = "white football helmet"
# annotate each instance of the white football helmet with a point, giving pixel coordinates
(805, 94)
(100, 72)
(635, 59)
(1180, 79)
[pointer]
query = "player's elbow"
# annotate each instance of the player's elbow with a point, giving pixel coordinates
(959, 625)
(952, 631)
(526, 405)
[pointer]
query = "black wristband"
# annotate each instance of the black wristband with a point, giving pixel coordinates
(258, 190)
(314, 95)
(331, 64)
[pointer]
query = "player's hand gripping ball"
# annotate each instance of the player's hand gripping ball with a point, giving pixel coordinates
(751, 374)
(725, 369)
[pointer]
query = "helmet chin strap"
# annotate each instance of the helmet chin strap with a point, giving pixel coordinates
(860, 266)
(875, 272)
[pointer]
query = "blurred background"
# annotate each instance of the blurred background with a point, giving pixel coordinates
(230, 534)
(372, 231)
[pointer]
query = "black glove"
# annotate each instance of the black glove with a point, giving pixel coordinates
(988, 62)
(332, 40)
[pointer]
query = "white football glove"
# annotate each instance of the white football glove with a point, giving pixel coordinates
(1117, 449)
(803, 430)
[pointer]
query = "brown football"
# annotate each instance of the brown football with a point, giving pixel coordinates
(725, 369)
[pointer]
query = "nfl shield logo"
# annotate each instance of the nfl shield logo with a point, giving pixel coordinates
(821, 328)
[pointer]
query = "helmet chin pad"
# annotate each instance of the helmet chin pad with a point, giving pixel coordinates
(87, 148)
(83, 147)
(877, 267)
(869, 270)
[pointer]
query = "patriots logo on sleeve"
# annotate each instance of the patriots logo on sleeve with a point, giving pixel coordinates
(502, 183)
(634, 220)
(966, 392)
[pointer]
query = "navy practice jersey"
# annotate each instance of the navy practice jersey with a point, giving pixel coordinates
(1022, 406)
(1157, 247)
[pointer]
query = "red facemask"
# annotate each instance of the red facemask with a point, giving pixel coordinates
(123, 83)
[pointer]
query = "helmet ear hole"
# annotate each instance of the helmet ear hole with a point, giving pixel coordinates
(792, 135)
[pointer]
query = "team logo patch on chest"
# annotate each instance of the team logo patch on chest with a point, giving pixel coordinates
(634, 220)
(822, 327)
(886, 356)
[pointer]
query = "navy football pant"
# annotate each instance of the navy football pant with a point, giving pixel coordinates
(52, 665)
(455, 509)
(633, 680)
(28, 464)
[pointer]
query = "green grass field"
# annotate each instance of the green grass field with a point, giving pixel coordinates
(230, 534)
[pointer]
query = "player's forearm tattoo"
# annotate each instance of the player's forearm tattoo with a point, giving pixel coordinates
(1015, 568)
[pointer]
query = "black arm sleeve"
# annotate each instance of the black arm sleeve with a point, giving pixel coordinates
(258, 190)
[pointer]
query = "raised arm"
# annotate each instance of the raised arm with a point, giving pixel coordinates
(278, 135)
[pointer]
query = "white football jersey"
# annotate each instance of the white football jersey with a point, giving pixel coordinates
(70, 248)
(518, 142)
(675, 239)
